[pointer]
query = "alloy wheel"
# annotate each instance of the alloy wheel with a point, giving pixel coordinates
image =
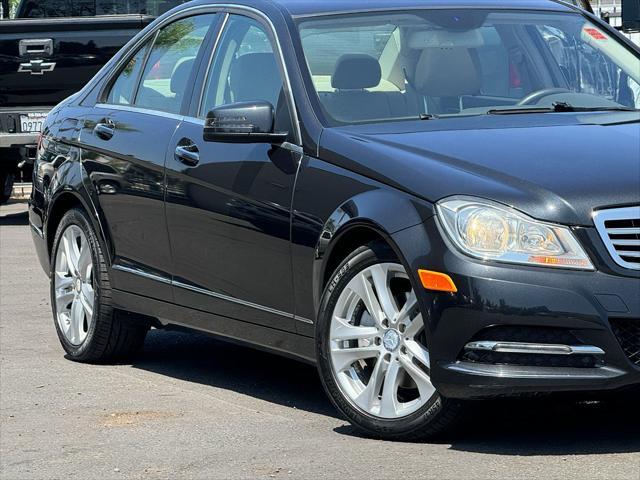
(377, 346)
(74, 285)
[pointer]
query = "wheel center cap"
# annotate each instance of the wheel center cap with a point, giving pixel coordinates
(78, 285)
(391, 340)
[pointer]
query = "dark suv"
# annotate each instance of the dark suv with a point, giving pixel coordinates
(431, 202)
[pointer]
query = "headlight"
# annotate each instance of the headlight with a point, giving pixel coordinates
(490, 231)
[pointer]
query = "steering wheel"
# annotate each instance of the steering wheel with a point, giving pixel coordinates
(535, 97)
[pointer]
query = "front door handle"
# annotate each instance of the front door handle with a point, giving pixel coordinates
(105, 130)
(188, 154)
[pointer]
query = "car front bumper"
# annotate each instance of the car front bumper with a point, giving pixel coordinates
(525, 311)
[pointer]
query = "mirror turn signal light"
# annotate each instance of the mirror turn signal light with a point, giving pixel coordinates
(440, 282)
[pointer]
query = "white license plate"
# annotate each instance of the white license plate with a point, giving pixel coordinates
(32, 122)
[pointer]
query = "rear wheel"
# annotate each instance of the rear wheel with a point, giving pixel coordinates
(88, 327)
(372, 350)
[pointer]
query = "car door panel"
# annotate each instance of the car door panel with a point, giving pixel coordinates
(125, 145)
(229, 222)
(127, 173)
(229, 215)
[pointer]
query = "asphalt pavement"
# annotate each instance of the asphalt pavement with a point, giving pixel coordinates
(193, 407)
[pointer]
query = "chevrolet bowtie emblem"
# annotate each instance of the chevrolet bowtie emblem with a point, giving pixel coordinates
(36, 67)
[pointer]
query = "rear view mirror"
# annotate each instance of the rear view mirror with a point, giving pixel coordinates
(245, 122)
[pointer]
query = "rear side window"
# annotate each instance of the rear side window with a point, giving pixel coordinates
(171, 63)
(124, 87)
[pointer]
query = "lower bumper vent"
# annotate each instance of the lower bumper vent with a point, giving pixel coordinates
(532, 347)
(627, 331)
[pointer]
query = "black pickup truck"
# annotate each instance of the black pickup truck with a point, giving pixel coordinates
(48, 51)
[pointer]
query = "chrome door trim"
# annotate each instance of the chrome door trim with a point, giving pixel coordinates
(207, 73)
(303, 320)
(144, 111)
(210, 293)
(142, 273)
(222, 296)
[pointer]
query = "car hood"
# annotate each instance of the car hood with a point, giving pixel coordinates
(554, 167)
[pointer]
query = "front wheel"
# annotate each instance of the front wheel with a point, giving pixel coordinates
(88, 327)
(372, 350)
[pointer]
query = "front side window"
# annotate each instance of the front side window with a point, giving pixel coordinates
(370, 67)
(171, 62)
(244, 68)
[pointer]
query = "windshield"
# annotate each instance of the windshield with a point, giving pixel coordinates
(427, 64)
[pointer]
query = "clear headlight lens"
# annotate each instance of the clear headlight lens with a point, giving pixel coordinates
(490, 231)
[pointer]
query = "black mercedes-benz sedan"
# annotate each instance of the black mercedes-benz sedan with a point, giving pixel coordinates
(431, 201)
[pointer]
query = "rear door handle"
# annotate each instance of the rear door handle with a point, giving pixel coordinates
(105, 130)
(188, 154)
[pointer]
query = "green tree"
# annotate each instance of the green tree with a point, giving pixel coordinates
(13, 6)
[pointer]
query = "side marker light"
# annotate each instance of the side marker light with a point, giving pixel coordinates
(440, 282)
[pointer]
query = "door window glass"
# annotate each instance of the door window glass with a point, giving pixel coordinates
(588, 69)
(245, 69)
(171, 63)
(124, 87)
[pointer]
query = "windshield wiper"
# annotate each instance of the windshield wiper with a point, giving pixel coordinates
(558, 107)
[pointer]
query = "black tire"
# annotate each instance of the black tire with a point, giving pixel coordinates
(6, 186)
(110, 338)
(436, 416)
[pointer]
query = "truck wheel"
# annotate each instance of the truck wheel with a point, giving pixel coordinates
(6, 186)
(372, 350)
(88, 327)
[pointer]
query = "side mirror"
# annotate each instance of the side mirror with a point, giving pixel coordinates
(244, 122)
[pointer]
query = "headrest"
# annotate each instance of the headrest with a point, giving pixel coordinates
(180, 76)
(446, 72)
(255, 76)
(446, 39)
(356, 72)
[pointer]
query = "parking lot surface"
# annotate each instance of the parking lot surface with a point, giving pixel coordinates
(191, 406)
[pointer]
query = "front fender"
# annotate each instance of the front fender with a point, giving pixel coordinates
(383, 211)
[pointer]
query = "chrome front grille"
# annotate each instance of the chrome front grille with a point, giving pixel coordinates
(620, 232)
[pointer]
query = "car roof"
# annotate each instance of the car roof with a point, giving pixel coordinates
(310, 7)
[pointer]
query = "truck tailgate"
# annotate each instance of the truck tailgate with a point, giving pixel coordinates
(44, 61)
